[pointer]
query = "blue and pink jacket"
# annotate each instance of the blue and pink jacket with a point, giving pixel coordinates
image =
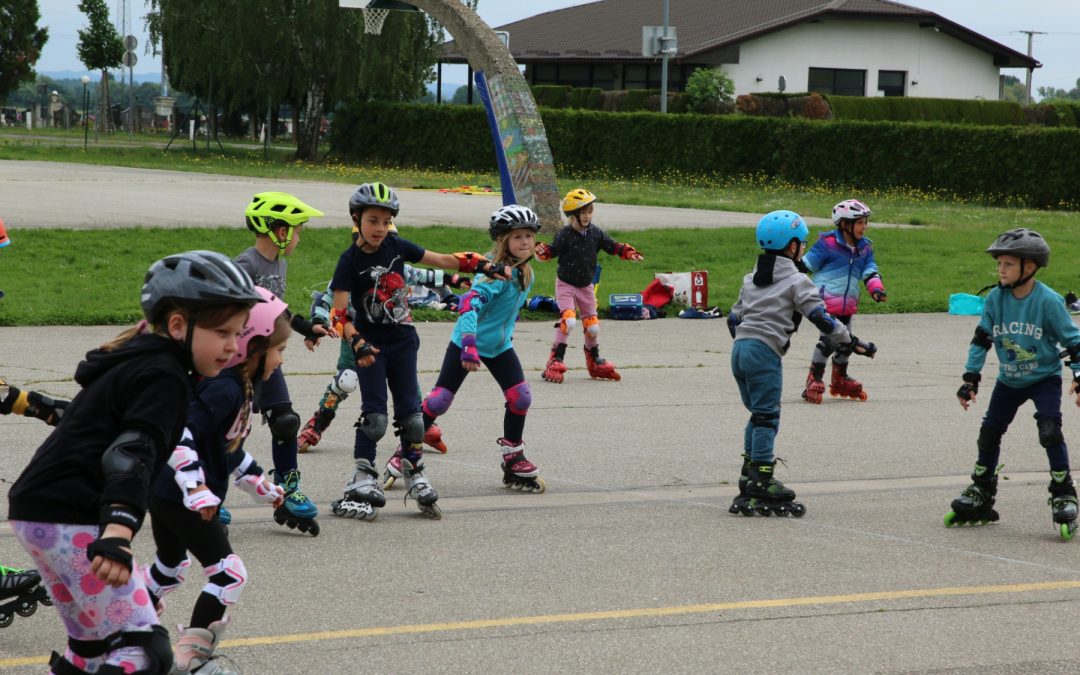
(838, 269)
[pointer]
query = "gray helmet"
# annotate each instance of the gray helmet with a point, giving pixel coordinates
(196, 279)
(374, 194)
(1022, 243)
(512, 217)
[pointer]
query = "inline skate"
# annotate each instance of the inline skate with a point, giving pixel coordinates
(363, 497)
(419, 488)
(312, 432)
(768, 495)
(741, 503)
(518, 472)
(1063, 503)
(845, 386)
(297, 512)
(20, 593)
(555, 369)
(975, 505)
(600, 368)
(815, 383)
(194, 651)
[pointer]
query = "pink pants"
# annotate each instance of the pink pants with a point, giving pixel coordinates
(582, 299)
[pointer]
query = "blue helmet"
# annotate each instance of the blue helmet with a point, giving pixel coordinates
(776, 229)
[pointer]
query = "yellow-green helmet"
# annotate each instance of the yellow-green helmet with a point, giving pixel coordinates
(577, 199)
(269, 210)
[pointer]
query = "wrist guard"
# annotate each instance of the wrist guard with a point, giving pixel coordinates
(970, 386)
(360, 347)
(304, 327)
(121, 514)
(625, 251)
(543, 251)
(468, 348)
(111, 548)
(470, 262)
(857, 346)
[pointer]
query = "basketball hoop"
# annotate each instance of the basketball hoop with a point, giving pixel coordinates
(373, 20)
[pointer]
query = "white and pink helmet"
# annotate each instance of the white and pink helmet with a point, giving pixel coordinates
(260, 322)
(850, 209)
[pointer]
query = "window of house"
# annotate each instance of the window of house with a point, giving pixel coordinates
(574, 74)
(839, 81)
(891, 82)
(545, 73)
(603, 76)
(635, 77)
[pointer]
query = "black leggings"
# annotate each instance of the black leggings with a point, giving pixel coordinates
(505, 368)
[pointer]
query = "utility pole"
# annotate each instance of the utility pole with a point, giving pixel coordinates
(664, 67)
(1027, 86)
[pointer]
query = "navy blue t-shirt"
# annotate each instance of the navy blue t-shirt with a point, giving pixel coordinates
(376, 282)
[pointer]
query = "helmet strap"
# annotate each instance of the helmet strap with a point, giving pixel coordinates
(282, 245)
(1023, 279)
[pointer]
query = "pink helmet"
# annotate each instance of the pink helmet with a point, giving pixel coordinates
(260, 322)
(850, 209)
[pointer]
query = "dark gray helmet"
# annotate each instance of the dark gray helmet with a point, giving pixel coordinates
(1022, 243)
(512, 217)
(196, 279)
(374, 194)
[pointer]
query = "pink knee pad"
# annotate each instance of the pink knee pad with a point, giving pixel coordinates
(518, 398)
(438, 401)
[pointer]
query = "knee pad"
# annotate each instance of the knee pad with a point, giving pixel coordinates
(283, 421)
(438, 401)
(226, 579)
(1049, 432)
(85, 649)
(567, 320)
(591, 325)
(411, 429)
(154, 643)
(518, 398)
(345, 382)
(825, 348)
(373, 425)
(770, 420)
(161, 580)
(989, 439)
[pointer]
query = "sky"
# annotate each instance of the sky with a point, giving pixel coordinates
(999, 20)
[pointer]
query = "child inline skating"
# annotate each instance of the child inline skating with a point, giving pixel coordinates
(277, 218)
(484, 333)
(576, 246)
(369, 276)
(840, 260)
(1024, 321)
(84, 494)
(190, 488)
(772, 301)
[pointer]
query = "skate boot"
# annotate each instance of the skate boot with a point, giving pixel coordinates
(194, 651)
(741, 504)
(845, 386)
(298, 512)
(518, 472)
(312, 432)
(815, 385)
(1063, 502)
(556, 367)
(363, 497)
(419, 488)
(768, 495)
(600, 368)
(392, 472)
(975, 505)
(433, 439)
(20, 593)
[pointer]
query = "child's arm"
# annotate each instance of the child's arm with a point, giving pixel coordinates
(1068, 336)
(343, 324)
(815, 257)
(872, 279)
(553, 250)
(469, 314)
(416, 276)
(981, 344)
(31, 404)
(468, 262)
(251, 478)
(189, 475)
(624, 251)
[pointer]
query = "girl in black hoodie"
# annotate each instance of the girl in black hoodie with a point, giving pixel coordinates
(82, 498)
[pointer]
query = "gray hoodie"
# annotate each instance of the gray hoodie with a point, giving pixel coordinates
(773, 300)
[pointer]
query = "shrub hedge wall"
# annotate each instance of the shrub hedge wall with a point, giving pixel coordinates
(1029, 165)
(910, 109)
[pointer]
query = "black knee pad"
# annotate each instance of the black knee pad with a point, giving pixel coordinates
(411, 429)
(373, 425)
(155, 644)
(989, 439)
(825, 348)
(1049, 432)
(770, 420)
(283, 421)
(88, 649)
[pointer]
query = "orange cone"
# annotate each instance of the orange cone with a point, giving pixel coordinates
(4, 241)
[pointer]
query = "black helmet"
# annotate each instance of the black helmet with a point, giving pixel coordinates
(374, 194)
(196, 279)
(1024, 244)
(512, 217)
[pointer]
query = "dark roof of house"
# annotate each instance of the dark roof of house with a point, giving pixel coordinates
(610, 30)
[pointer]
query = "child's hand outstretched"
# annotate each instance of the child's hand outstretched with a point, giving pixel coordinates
(628, 252)
(970, 387)
(321, 331)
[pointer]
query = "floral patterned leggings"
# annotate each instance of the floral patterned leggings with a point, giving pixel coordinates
(89, 608)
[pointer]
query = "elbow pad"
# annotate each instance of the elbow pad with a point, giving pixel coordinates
(127, 479)
(732, 323)
(820, 318)
(982, 339)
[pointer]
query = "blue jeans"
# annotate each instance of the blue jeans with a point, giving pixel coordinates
(760, 376)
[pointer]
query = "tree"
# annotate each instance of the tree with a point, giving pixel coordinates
(1013, 89)
(708, 87)
(21, 41)
(100, 48)
(1050, 93)
(461, 95)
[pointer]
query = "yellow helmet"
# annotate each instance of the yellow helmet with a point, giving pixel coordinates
(577, 198)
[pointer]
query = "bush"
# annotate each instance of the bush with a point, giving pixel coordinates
(551, 95)
(708, 87)
(909, 109)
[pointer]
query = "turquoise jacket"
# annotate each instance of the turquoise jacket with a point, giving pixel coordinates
(490, 311)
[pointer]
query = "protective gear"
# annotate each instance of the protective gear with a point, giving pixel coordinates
(567, 320)
(576, 200)
(283, 421)
(411, 429)
(823, 321)
(374, 194)
(1022, 243)
(733, 322)
(226, 590)
(271, 210)
(469, 262)
(768, 420)
(982, 339)
(850, 209)
(345, 382)
(127, 477)
(195, 279)
(187, 468)
(468, 349)
(856, 346)
(338, 319)
(970, 386)
(989, 442)
(512, 217)
(438, 402)
(591, 325)
(111, 548)
(373, 425)
(361, 348)
(542, 251)
(260, 488)
(777, 229)
(161, 580)
(626, 251)
(518, 398)
(195, 649)
(1049, 431)
(260, 322)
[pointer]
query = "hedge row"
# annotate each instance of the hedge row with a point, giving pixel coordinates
(998, 164)
(910, 109)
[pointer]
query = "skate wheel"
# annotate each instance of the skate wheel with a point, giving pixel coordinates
(797, 510)
(388, 481)
(863, 396)
(6, 619)
(540, 487)
(47, 601)
(1067, 531)
(950, 519)
(432, 511)
(302, 448)
(763, 510)
(27, 609)
(746, 510)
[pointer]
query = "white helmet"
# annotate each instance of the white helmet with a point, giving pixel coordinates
(850, 209)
